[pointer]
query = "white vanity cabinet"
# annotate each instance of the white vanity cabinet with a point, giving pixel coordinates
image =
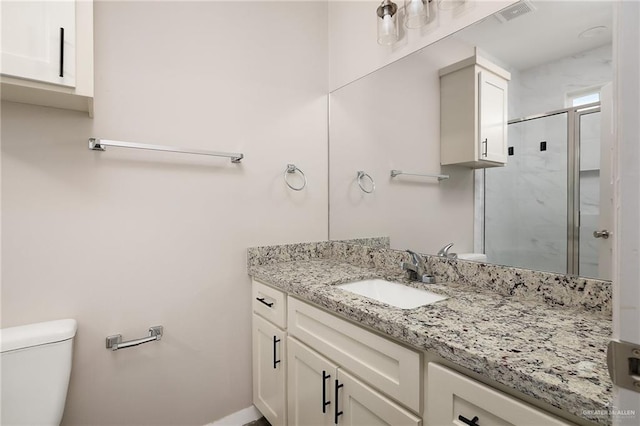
(340, 373)
(269, 353)
(454, 399)
(473, 113)
(314, 368)
(47, 53)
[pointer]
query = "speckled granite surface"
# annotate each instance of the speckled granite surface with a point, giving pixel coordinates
(553, 289)
(547, 287)
(554, 354)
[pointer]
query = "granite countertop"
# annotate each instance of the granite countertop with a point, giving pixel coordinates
(556, 355)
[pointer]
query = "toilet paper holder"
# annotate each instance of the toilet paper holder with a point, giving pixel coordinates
(115, 342)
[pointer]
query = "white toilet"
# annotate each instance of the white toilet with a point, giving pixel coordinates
(36, 365)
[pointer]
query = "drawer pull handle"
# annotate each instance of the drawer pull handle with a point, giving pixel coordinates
(336, 412)
(485, 142)
(275, 361)
(261, 300)
(472, 422)
(325, 376)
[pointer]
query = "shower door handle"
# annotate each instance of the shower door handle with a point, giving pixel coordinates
(601, 234)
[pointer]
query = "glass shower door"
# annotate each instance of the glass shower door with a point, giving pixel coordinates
(526, 201)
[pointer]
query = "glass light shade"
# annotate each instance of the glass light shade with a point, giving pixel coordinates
(387, 22)
(388, 30)
(416, 13)
(450, 4)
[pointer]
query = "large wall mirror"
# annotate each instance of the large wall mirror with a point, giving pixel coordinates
(548, 208)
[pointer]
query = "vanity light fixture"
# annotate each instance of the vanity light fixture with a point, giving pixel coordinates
(387, 22)
(416, 15)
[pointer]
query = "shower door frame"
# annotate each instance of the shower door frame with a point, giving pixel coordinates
(573, 176)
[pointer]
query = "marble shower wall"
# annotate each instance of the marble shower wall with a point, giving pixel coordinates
(544, 88)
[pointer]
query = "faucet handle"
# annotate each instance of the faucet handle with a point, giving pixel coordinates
(444, 251)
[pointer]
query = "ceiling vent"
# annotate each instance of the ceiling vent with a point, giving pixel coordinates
(515, 11)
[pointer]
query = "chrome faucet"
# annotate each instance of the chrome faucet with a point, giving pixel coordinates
(444, 252)
(417, 269)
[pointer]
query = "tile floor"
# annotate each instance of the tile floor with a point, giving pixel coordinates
(260, 422)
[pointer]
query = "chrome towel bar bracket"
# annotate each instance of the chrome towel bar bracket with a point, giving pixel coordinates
(115, 342)
(96, 144)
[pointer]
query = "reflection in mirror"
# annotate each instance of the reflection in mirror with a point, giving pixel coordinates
(540, 210)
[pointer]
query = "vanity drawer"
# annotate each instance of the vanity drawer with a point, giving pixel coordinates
(269, 303)
(450, 395)
(386, 365)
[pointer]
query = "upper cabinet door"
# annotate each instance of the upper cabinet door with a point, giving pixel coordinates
(39, 41)
(492, 111)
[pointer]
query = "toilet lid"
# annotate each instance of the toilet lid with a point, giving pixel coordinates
(42, 333)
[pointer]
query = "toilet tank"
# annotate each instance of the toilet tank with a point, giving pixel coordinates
(36, 365)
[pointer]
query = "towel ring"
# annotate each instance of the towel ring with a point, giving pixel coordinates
(291, 168)
(361, 175)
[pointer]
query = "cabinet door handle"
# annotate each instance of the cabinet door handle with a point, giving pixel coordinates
(337, 413)
(275, 361)
(485, 142)
(262, 300)
(472, 422)
(61, 51)
(325, 376)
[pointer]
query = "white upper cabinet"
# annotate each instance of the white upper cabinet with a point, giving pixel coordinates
(47, 53)
(39, 41)
(473, 114)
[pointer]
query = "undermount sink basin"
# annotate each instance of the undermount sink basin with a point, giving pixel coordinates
(394, 294)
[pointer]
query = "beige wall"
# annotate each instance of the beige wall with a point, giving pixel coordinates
(389, 120)
(127, 239)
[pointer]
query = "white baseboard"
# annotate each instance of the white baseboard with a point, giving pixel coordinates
(239, 418)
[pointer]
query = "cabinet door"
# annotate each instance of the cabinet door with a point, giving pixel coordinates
(269, 368)
(492, 111)
(360, 405)
(38, 40)
(310, 386)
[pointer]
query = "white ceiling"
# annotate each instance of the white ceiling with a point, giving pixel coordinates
(544, 35)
